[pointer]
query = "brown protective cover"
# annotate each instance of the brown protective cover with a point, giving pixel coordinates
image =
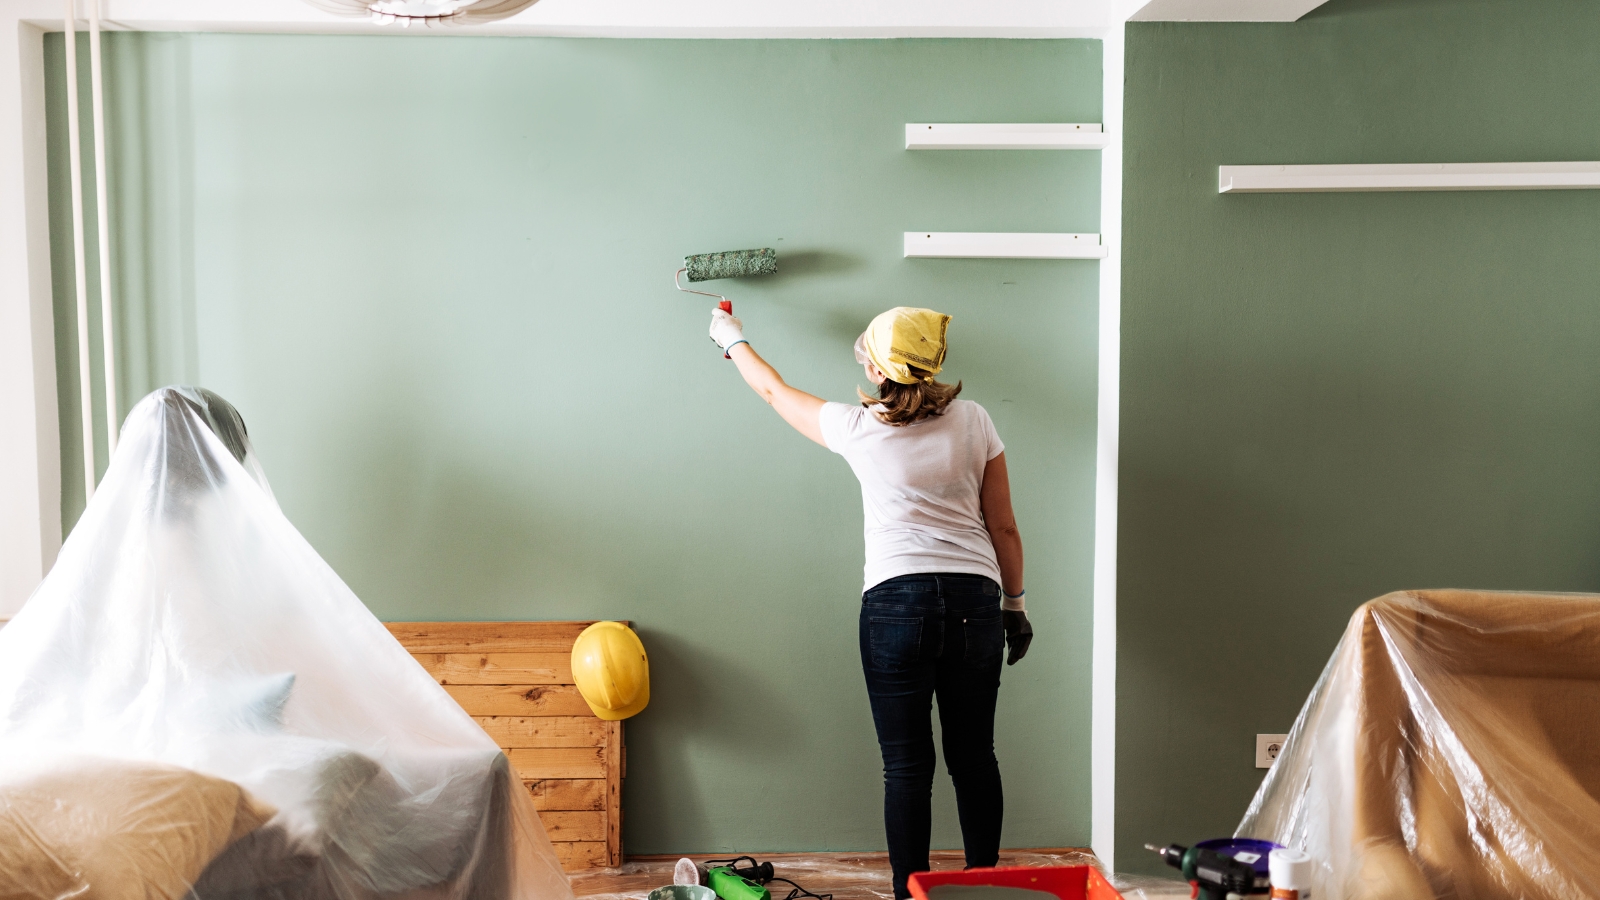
(107, 829)
(1449, 750)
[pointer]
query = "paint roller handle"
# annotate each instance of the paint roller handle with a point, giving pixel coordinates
(726, 306)
(725, 329)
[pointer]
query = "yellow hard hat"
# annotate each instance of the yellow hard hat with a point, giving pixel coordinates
(611, 670)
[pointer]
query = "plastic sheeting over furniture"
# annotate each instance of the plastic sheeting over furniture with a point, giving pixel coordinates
(194, 700)
(1450, 749)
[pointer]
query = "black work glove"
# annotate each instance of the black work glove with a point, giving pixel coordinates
(1019, 634)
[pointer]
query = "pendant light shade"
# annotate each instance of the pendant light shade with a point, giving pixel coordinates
(425, 12)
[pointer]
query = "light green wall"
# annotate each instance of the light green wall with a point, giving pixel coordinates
(434, 275)
(1326, 397)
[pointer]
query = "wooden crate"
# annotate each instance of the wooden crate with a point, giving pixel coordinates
(515, 678)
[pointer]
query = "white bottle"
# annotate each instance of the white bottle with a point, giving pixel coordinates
(685, 872)
(1290, 873)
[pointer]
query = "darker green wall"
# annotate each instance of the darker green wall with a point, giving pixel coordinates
(1326, 397)
(434, 275)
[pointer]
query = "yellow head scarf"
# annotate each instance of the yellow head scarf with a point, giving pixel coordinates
(903, 337)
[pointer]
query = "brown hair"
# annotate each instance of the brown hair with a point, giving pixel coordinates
(906, 404)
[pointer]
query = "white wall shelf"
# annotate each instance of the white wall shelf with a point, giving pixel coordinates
(1536, 176)
(1005, 136)
(1222, 10)
(1002, 245)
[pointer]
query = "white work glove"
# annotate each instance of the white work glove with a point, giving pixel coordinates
(726, 330)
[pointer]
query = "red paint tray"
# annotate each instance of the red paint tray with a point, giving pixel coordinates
(1066, 882)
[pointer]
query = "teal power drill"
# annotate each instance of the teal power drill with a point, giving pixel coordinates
(1212, 875)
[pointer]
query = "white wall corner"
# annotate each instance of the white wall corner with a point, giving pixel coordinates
(1103, 676)
(30, 457)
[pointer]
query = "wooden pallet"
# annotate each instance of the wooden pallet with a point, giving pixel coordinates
(515, 678)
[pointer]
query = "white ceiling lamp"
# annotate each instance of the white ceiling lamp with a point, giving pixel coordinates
(425, 12)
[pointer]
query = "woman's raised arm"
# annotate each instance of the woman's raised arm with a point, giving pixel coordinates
(797, 407)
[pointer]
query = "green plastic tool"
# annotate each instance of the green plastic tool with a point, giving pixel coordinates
(731, 886)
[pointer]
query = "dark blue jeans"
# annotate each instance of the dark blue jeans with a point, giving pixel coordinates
(925, 637)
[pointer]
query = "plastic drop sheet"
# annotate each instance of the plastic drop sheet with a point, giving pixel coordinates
(1451, 749)
(192, 704)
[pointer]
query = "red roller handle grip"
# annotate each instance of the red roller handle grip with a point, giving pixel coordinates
(727, 307)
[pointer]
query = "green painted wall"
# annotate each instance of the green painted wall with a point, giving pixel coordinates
(433, 273)
(1328, 397)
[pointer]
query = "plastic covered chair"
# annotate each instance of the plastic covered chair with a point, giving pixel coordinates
(1451, 749)
(192, 704)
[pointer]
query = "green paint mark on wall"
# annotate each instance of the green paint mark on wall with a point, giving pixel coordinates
(434, 275)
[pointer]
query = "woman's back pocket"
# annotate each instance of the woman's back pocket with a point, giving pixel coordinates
(895, 643)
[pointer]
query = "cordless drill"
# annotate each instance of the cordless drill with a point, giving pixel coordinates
(1211, 875)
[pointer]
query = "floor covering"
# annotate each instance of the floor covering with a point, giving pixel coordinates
(847, 876)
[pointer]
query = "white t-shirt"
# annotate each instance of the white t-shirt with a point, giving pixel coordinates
(919, 488)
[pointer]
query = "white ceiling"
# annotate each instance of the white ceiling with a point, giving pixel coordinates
(700, 18)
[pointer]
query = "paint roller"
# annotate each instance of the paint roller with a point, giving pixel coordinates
(727, 264)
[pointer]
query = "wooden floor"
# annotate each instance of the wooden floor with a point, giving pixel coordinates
(847, 876)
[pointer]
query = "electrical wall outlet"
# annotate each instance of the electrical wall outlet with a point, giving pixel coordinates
(1267, 747)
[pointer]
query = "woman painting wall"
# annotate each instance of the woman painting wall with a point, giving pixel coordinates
(943, 592)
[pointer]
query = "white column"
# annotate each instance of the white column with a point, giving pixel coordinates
(30, 453)
(102, 199)
(1103, 681)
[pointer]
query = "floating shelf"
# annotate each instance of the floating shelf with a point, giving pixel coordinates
(1002, 136)
(1537, 176)
(1003, 245)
